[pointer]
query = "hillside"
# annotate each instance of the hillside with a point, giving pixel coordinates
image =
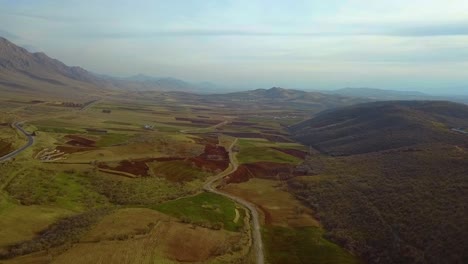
(381, 94)
(23, 72)
(279, 98)
(380, 126)
(396, 193)
(35, 73)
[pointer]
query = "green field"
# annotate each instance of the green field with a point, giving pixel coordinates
(302, 245)
(204, 209)
(252, 150)
(112, 139)
(63, 190)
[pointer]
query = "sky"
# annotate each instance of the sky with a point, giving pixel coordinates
(390, 44)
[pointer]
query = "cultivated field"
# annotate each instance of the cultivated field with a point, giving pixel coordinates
(125, 175)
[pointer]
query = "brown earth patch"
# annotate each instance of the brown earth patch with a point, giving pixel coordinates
(206, 138)
(79, 141)
(5, 148)
(213, 158)
(136, 167)
(264, 170)
(293, 152)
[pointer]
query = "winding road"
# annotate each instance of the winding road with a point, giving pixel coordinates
(256, 234)
(13, 154)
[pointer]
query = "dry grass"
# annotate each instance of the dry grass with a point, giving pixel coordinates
(278, 206)
(137, 235)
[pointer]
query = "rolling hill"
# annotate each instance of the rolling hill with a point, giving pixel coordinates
(378, 126)
(390, 181)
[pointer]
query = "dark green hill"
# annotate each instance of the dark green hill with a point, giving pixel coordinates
(398, 191)
(377, 126)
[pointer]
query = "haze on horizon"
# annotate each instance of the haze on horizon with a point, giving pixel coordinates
(389, 44)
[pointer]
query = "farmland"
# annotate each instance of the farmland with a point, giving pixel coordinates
(126, 174)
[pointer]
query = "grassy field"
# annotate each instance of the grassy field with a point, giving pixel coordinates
(277, 205)
(112, 139)
(253, 150)
(160, 217)
(204, 209)
(302, 245)
(21, 222)
(61, 190)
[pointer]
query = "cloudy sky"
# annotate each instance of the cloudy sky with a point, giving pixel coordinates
(391, 44)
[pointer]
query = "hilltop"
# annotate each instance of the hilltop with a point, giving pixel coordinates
(381, 126)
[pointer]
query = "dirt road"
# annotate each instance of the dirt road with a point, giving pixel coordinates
(256, 234)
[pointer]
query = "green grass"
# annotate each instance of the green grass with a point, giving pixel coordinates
(118, 123)
(256, 150)
(59, 130)
(67, 191)
(302, 245)
(112, 139)
(205, 208)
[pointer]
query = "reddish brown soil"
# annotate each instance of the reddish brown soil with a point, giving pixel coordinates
(265, 170)
(293, 152)
(277, 138)
(137, 167)
(213, 158)
(5, 148)
(80, 141)
(268, 217)
(182, 119)
(206, 138)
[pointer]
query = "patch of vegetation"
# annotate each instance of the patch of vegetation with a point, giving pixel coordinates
(41, 187)
(146, 191)
(250, 152)
(205, 209)
(403, 206)
(59, 130)
(112, 139)
(302, 245)
(64, 232)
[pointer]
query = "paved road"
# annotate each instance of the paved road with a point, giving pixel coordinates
(256, 234)
(13, 154)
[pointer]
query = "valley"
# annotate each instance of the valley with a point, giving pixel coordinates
(158, 158)
(95, 169)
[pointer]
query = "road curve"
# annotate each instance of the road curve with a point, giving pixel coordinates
(256, 234)
(18, 151)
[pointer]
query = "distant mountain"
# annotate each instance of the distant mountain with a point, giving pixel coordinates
(381, 126)
(23, 71)
(380, 94)
(35, 73)
(276, 97)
